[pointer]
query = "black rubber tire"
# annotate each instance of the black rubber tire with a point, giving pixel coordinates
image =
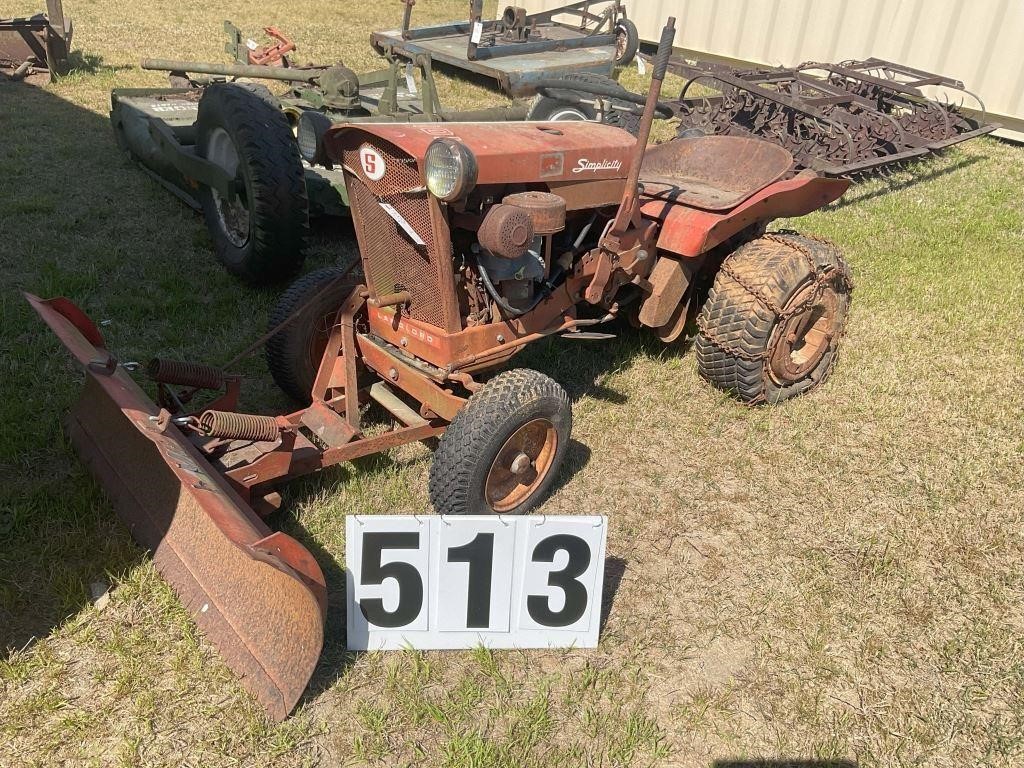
(271, 173)
(735, 325)
(471, 443)
(316, 296)
(546, 108)
(627, 29)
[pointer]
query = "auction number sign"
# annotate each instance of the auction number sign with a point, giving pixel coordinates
(459, 582)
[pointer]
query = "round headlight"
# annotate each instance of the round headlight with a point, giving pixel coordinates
(312, 127)
(450, 169)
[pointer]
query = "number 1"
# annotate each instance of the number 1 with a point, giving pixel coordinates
(479, 553)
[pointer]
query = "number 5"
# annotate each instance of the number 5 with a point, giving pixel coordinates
(410, 583)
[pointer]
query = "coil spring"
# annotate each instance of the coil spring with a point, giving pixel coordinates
(239, 426)
(184, 374)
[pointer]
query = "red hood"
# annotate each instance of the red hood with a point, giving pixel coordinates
(507, 153)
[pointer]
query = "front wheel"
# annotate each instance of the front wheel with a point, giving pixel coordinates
(772, 323)
(502, 451)
(303, 318)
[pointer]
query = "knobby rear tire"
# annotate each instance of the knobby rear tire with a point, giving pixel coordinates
(739, 332)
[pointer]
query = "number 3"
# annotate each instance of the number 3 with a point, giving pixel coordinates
(575, 606)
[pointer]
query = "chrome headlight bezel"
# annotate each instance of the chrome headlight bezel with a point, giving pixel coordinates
(450, 169)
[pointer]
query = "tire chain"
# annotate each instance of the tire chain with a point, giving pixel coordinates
(821, 277)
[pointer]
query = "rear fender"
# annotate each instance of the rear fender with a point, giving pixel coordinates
(259, 596)
(691, 232)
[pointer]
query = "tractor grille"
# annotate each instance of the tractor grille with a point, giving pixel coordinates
(392, 260)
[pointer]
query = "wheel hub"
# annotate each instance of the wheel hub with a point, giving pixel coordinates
(567, 114)
(232, 214)
(800, 342)
(521, 465)
(620, 45)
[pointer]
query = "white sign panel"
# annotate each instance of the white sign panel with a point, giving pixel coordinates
(459, 582)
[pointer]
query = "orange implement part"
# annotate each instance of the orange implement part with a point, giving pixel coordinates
(259, 596)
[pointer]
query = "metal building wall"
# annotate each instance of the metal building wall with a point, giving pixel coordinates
(980, 42)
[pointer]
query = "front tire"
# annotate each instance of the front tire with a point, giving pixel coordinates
(503, 450)
(771, 326)
(310, 306)
(259, 235)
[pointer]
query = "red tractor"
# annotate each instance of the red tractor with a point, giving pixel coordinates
(476, 240)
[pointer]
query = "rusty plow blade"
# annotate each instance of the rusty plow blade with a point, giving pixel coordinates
(259, 596)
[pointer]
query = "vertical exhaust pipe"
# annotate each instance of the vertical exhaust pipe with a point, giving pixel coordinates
(629, 208)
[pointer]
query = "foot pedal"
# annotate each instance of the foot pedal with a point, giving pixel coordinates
(383, 395)
(328, 427)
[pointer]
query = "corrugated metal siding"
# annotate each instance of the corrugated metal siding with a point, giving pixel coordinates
(979, 42)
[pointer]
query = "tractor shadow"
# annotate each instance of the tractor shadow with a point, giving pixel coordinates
(59, 538)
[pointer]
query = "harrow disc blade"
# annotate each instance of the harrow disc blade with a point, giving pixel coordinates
(258, 596)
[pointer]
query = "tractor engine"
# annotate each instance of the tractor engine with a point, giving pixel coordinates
(514, 246)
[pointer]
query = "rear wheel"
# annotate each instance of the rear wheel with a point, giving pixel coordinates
(771, 326)
(502, 451)
(310, 306)
(260, 233)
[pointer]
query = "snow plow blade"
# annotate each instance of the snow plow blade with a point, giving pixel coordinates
(259, 596)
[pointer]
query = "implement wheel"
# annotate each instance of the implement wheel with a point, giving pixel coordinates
(260, 234)
(310, 306)
(771, 326)
(627, 42)
(574, 102)
(503, 449)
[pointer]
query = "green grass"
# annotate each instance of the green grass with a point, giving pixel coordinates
(840, 577)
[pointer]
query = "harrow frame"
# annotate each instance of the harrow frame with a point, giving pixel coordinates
(840, 119)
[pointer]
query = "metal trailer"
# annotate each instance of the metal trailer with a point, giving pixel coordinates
(519, 48)
(40, 42)
(838, 119)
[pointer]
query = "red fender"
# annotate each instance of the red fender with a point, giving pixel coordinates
(691, 232)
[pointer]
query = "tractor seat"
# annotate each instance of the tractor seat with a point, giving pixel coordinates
(712, 172)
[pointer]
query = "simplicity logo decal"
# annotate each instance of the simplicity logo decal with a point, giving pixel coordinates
(584, 165)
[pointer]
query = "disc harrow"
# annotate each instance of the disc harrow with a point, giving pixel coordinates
(841, 119)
